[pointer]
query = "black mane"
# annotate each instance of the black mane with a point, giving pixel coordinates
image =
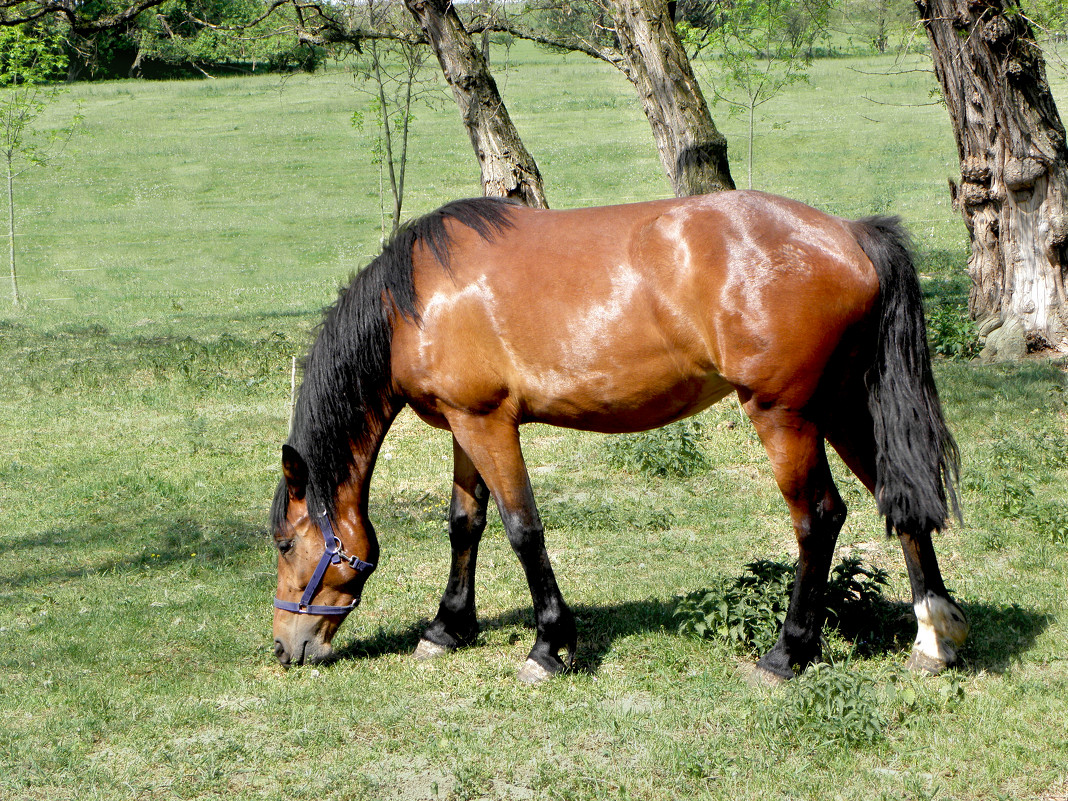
(347, 370)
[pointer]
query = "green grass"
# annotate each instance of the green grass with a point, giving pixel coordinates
(173, 266)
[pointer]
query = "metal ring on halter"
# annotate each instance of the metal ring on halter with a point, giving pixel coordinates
(332, 555)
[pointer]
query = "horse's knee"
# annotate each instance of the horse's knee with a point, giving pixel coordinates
(466, 521)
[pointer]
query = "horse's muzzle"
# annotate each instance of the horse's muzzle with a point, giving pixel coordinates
(305, 652)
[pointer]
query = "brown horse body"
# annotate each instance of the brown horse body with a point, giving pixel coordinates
(622, 319)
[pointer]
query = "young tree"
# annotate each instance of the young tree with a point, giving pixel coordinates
(1013, 190)
(28, 61)
(760, 48)
(392, 73)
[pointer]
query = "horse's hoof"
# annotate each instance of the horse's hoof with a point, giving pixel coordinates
(534, 673)
(429, 650)
(920, 662)
(762, 677)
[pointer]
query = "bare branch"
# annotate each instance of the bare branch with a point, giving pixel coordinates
(17, 12)
(496, 25)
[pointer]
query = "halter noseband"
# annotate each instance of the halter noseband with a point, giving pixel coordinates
(333, 555)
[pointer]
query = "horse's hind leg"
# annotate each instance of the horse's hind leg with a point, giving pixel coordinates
(795, 447)
(456, 624)
(493, 446)
(941, 626)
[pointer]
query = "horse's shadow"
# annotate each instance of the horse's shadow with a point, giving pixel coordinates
(1000, 634)
(598, 628)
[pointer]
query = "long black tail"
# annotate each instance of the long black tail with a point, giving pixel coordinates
(917, 461)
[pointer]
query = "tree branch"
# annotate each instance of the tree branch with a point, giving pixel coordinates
(17, 12)
(494, 25)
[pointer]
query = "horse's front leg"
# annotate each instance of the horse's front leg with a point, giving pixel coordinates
(494, 449)
(456, 624)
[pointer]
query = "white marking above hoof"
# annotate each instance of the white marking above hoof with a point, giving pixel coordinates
(533, 673)
(941, 629)
(429, 650)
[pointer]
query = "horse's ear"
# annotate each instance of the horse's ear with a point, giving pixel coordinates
(295, 470)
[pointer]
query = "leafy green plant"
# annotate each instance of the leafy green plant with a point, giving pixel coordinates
(673, 450)
(748, 612)
(952, 332)
(827, 705)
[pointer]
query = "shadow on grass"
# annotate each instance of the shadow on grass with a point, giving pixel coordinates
(170, 542)
(1000, 634)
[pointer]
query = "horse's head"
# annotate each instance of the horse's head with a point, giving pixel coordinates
(320, 575)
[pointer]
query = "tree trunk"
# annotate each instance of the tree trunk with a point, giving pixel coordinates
(1014, 164)
(508, 170)
(692, 150)
(11, 229)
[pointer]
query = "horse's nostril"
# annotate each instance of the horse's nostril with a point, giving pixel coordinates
(280, 653)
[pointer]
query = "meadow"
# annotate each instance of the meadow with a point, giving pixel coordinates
(173, 265)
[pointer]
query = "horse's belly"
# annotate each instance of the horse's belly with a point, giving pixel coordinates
(619, 402)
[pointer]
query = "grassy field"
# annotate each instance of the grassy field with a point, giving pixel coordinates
(173, 266)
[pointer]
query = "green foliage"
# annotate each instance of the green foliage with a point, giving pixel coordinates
(748, 612)
(1049, 16)
(952, 332)
(1010, 480)
(673, 450)
(582, 22)
(826, 706)
(30, 56)
(182, 38)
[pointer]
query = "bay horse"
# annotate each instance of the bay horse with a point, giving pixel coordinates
(484, 315)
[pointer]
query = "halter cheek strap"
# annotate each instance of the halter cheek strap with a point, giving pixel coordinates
(332, 555)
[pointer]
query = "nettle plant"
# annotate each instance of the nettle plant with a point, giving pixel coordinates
(747, 612)
(673, 450)
(828, 705)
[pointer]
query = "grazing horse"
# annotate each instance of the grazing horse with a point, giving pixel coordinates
(484, 315)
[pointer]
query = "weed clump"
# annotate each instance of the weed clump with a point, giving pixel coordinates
(952, 332)
(827, 705)
(747, 612)
(673, 450)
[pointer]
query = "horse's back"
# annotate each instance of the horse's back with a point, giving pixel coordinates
(627, 317)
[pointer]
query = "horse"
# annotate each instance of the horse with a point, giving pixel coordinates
(485, 314)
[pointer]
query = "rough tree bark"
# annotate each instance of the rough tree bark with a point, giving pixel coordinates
(1014, 165)
(508, 170)
(652, 57)
(692, 150)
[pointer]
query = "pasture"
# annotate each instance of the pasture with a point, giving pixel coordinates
(173, 266)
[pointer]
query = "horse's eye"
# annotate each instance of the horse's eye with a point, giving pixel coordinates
(284, 546)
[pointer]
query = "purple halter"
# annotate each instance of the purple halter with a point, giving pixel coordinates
(333, 555)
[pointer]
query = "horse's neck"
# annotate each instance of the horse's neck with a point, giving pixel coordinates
(355, 491)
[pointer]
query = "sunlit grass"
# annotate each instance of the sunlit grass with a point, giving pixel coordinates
(173, 266)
